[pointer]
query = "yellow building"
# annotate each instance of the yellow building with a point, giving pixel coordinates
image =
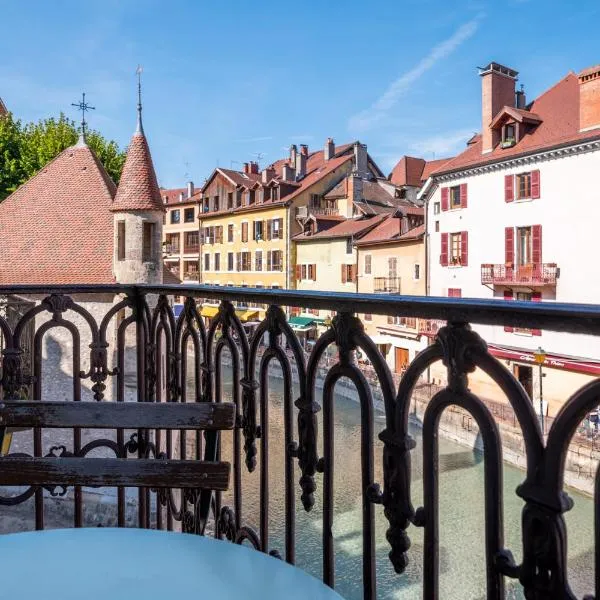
(180, 233)
(248, 218)
(391, 259)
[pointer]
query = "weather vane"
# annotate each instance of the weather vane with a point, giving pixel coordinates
(83, 107)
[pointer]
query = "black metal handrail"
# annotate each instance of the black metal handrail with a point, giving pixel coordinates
(162, 341)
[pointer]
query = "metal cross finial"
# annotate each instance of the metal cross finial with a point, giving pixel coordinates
(138, 72)
(83, 107)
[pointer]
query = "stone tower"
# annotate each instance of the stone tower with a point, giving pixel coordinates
(138, 216)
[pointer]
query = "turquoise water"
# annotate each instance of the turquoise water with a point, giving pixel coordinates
(462, 566)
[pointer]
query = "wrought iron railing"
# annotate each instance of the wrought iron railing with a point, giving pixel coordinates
(387, 284)
(538, 274)
(138, 330)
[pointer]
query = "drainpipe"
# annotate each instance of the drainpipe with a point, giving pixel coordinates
(288, 244)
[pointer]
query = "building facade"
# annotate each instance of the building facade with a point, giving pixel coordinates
(513, 218)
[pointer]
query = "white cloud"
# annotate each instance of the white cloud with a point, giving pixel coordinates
(365, 119)
(442, 145)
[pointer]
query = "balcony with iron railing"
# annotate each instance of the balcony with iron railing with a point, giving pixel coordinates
(386, 285)
(541, 274)
(302, 212)
(317, 479)
(191, 275)
(191, 248)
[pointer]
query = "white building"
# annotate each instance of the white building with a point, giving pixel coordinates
(515, 216)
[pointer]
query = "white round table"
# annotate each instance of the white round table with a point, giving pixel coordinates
(114, 564)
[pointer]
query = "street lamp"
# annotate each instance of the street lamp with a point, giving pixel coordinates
(540, 357)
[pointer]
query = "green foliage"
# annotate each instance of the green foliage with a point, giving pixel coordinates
(25, 149)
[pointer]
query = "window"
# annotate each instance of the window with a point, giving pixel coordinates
(312, 272)
(217, 261)
(392, 267)
(246, 261)
(455, 248)
(148, 241)
(245, 231)
(437, 225)
(121, 240)
(367, 264)
(349, 246)
(303, 272)
(207, 262)
(230, 200)
(251, 197)
(509, 133)
(258, 230)
(230, 261)
(454, 293)
(417, 272)
(175, 216)
(524, 246)
(258, 260)
(436, 208)
(524, 296)
(277, 229)
(205, 205)
(172, 243)
(274, 260)
(523, 186)
(348, 273)
(230, 232)
(188, 215)
(190, 242)
(216, 203)
(455, 197)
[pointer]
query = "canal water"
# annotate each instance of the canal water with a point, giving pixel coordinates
(462, 566)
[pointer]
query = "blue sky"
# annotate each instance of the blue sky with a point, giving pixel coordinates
(227, 80)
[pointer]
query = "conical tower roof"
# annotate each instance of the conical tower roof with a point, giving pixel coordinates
(138, 188)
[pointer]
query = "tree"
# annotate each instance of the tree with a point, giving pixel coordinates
(24, 150)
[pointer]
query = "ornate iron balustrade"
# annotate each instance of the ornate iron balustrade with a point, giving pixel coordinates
(507, 274)
(387, 284)
(162, 342)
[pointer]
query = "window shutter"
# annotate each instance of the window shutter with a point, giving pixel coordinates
(238, 261)
(298, 272)
(508, 295)
(444, 254)
(445, 198)
(254, 230)
(463, 195)
(464, 248)
(314, 272)
(353, 273)
(535, 184)
(536, 244)
(268, 229)
(509, 188)
(343, 273)
(509, 245)
(269, 260)
(536, 297)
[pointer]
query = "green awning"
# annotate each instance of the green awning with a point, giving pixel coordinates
(300, 321)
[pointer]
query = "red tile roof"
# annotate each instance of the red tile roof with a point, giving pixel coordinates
(57, 227)
(347, 228)
(3, 109)
(172, 196)
(138, 188)
(388, 232)
(414, 171)
(558, 109)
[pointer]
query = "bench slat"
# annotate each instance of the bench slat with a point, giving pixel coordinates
(113, 472)
(126, 415)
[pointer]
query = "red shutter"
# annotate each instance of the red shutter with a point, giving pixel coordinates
(536, 297)
(464, 248)
(454, 293)
(535, 184)
(509, 188)
(298, 272)
(444, 254)
(463, 195)
(509, 245)
(353, 273)
(445, 198)
(508, 295)
(536, 244)
(314, 272)
(343, 273)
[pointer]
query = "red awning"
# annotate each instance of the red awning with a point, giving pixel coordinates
(553, 361)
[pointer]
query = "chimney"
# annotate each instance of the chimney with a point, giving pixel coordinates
(181, 197)
(589, 98)
(267, 174)
(293, 153)
(190, 187)
(355, 187)
(361, 160)
(521, 102)
(304, 149)
(497, 90)
(288, 173)
(253, 167)
(301, 164)
(246, 168)
(329, 151)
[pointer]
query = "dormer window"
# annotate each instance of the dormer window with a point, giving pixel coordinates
(509, 135)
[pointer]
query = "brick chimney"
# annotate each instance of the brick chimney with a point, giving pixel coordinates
(293, 153)
(246, 168)
(355, 187)
(301, 163)
(304, 149)
(329, 151)
(267, 174)
(497, 90)
(288, 173)
(589, 98)
(253, 167)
